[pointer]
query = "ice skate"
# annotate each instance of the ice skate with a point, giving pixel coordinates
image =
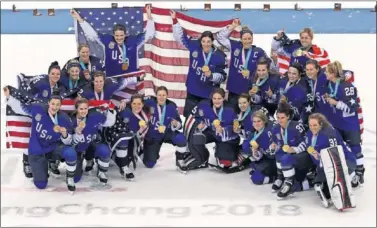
(286, 191)
(53, 169)
(71, 185)
(127, 174)
(27, 170)
(325, 202)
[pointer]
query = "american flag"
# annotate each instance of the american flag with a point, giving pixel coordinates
(163, 59)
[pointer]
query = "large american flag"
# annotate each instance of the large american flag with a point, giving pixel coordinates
(163, 59)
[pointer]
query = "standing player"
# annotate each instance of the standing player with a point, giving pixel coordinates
(342, 97)
(50, 138)
(213, 123)
(293, 90)
(88, 63)
(265, 86)
(257, 149)
(121, 51)
(292, 161)
(321, 136)
(165, 124)
(86, 124)
(298, 50)
(243, 60)
(206, 69)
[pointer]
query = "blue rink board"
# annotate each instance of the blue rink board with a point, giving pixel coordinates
(321, 20)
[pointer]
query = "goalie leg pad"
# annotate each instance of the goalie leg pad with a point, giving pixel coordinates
(339, 182)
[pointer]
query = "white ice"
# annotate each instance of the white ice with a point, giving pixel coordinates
(164, 197)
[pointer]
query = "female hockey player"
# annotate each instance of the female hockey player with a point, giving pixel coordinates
(72, 80)
(206, 68)
(50, 137)
(293, 90)
(298, 50)
(257, 148)
(292, 162)
(243, 60)
(342, 98)
(320, 137)
(213, 123)
(86, 123)
(126, 137)
(42, 86)
(88, 63)
(165, 123)
(121, 51)
(264, 86)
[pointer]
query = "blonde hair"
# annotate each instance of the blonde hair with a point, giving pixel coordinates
(309, 31)
(81, 46)
(336, 69)
(322, 120)
(260, 114)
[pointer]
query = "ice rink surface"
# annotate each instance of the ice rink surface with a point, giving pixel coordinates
(164, 197)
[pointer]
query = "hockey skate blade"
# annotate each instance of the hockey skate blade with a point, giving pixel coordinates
(290, 196)
(71, 193)
(181, 171)
(57, 176)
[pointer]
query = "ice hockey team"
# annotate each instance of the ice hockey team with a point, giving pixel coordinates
(293, 124)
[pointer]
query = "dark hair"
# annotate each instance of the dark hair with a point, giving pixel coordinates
(81, 101)
(313, 62)
(284, 108)
(119, 27)
(207, 34)
(246, 96)
(53, 65)
(262, 61)
(55, 95)
(99, 73)
(219, 91)
(73, 63)
(162, 88)
(146, 108)
(298, 67)
(245, 30)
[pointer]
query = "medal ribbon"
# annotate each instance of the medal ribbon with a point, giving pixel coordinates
(97, 97)
(208, 58)
(242, 117)
(54, 118)
(257, 135)
(145, 118)
(71, 85)
(332, 91)
(261, 82)
(285, 135)
(161, 116)
(219, 115)
(84, 67)
(313, 86)
(123, 51)
(245, 62)
(314, 140)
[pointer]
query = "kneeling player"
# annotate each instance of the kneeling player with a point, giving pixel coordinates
(256, 147)
(165, 123)
(292, 162)
(334, 161)
(86, 124)
(212, 123)
(50, 138)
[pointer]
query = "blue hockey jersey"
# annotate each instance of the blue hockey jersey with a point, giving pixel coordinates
(94, 64)
(40, 87)
(271, 82)
(197, 83)
(162, 116)
(263, 139)
(295, 137)
(328, 137)
(226, 115)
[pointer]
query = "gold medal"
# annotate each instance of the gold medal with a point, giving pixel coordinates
(236, 124)
(255, 88)
(205, 68)
(142, 123)
(310, 149)
(245, 73)
(161, 128)
(125, 66)
(57, 128)
(254, 144)
(299, 52)
(82, 124)
(216, 123)
(285, 148)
